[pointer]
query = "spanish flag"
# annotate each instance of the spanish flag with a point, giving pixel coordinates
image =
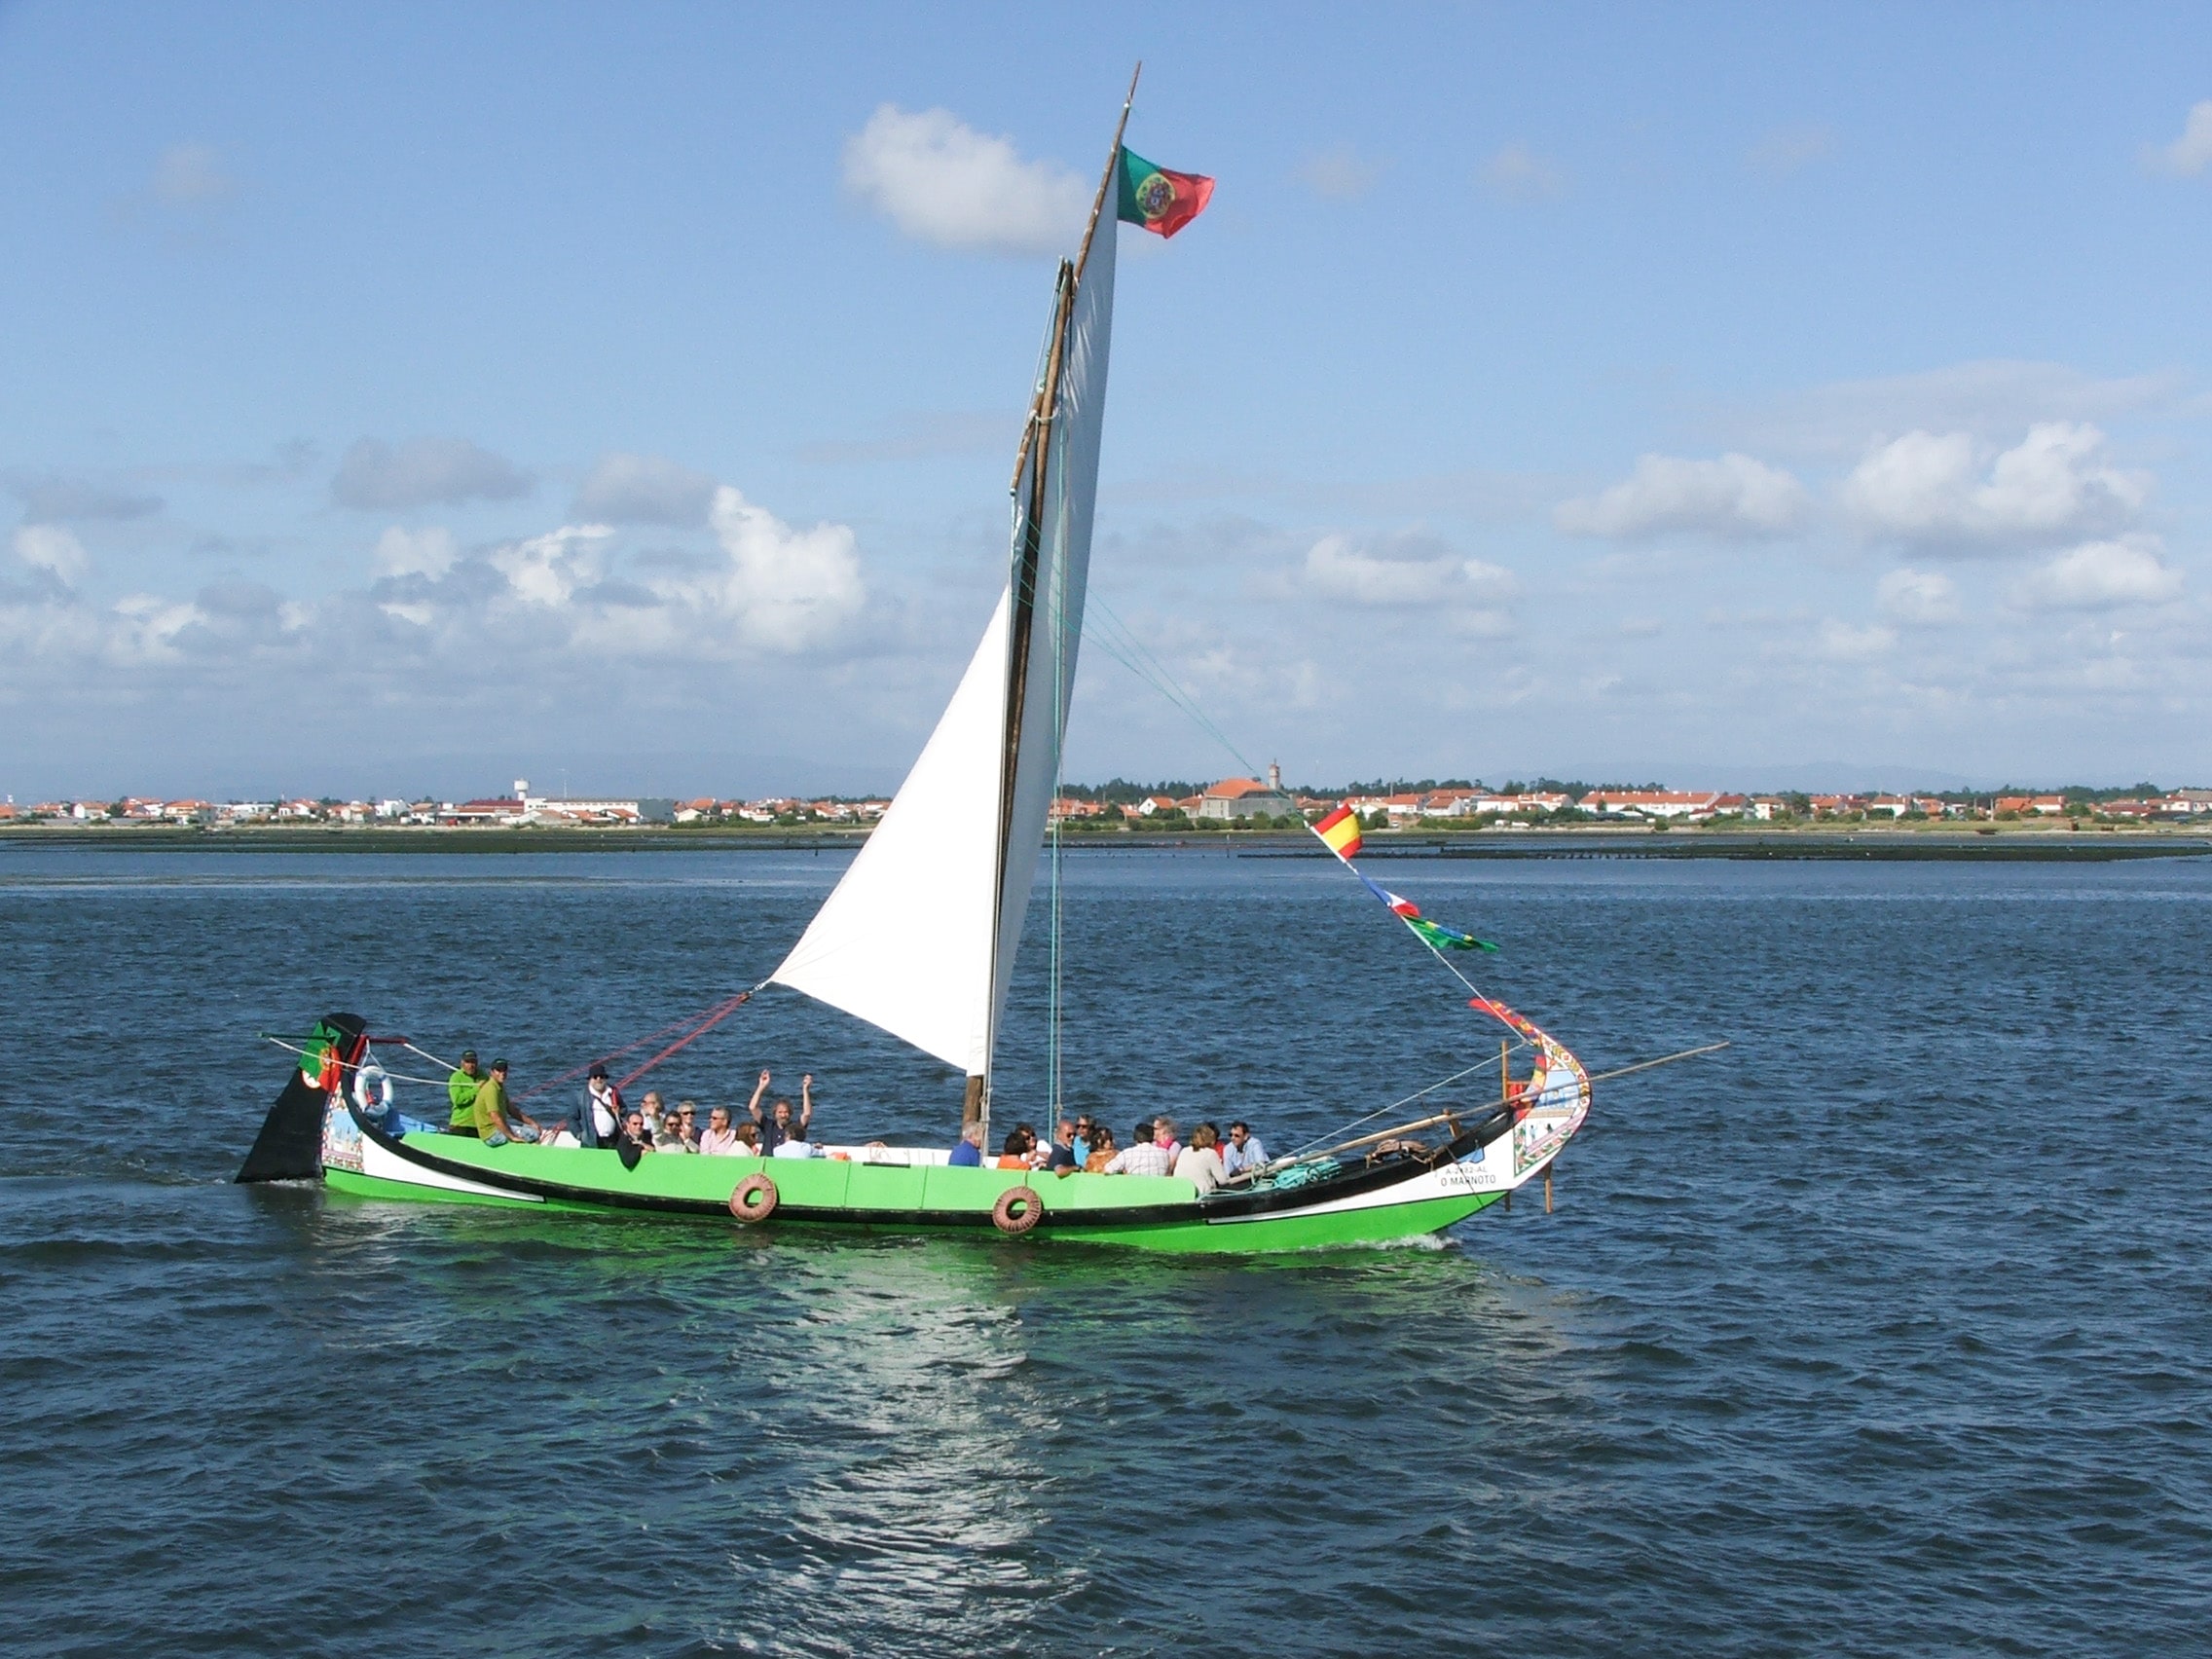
(1339, 832)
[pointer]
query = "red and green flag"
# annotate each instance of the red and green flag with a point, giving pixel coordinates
(1435, 935)
(1340, 833)
(1160, 200)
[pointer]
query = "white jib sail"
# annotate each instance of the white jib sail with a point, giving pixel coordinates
(920, 935)
(905, 940)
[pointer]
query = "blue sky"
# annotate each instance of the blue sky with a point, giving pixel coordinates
(1795, 395)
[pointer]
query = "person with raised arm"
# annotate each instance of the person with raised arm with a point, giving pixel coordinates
(778, 1125)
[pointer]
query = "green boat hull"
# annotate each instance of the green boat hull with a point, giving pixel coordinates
(1159, 1213)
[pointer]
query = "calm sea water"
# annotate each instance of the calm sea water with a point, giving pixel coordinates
(1886, 1332)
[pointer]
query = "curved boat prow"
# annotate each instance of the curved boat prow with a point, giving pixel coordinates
(289, 1147)
(1554, 1102)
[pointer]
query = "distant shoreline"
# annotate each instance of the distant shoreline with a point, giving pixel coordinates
(2025, 843)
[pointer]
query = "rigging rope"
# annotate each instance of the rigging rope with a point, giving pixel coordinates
(357, 1065)
(693, 1026)
(1120, 641)
(412, 1049)
(704, 1020)
(713, 1017)
(1337, 1133)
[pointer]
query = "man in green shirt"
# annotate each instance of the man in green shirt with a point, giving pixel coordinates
(497, 1121)
(461, 1088)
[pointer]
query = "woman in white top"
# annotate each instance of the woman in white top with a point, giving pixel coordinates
(1200, 1164)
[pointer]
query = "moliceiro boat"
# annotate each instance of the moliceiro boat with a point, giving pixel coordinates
(920, 935)
(1398, 1183)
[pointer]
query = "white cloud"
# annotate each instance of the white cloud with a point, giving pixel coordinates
(1340, 174)
(2053, 486)
(1917, 599)
(764, 586)
(548, 569)
(2190, 153)
(1492, 583)
(1787, 149)
(1482, 622)
(190, 175)
(417, 472)
(55, 551)
(402, 552)
(1991, 398)
(149, 630)
(1519, 174)
(942, 182)
(1733, 496)
(784, 588)
(1337, 568)
(54, 496)
(1840, 642)
(2102, 576)
(645, 488)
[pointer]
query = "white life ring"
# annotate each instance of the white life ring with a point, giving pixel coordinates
(372, 1088)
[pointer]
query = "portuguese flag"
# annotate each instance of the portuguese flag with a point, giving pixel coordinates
(1159, 201)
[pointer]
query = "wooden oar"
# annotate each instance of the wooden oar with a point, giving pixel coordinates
(1662, 1060)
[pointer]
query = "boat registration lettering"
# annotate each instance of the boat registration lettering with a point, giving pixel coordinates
(1469, 1176)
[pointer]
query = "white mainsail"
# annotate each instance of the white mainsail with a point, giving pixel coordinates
(919, 938)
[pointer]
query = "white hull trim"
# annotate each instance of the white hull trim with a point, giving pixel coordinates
(1489, 1172)
(384, 1165)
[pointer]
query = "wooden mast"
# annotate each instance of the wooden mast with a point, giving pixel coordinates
(1037, 451)
(1039, 408)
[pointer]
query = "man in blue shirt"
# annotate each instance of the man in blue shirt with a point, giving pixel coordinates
(1244, 1154)
(969, 1153)
(1063, 1149)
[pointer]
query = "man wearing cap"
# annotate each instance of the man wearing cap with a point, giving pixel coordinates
(497, 1121)
(602, 1109)
(461, 1088)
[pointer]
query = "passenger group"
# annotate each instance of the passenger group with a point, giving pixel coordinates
(1086, 1144)
(483, 1108)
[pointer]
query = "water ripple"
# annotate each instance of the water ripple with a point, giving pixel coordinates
(1886, 1334)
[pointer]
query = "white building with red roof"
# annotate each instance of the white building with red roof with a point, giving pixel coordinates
(1688, 804)
(1246, 797)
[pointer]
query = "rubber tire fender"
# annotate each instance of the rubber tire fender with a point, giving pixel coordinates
(1017, 1210)
(754, 1199)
